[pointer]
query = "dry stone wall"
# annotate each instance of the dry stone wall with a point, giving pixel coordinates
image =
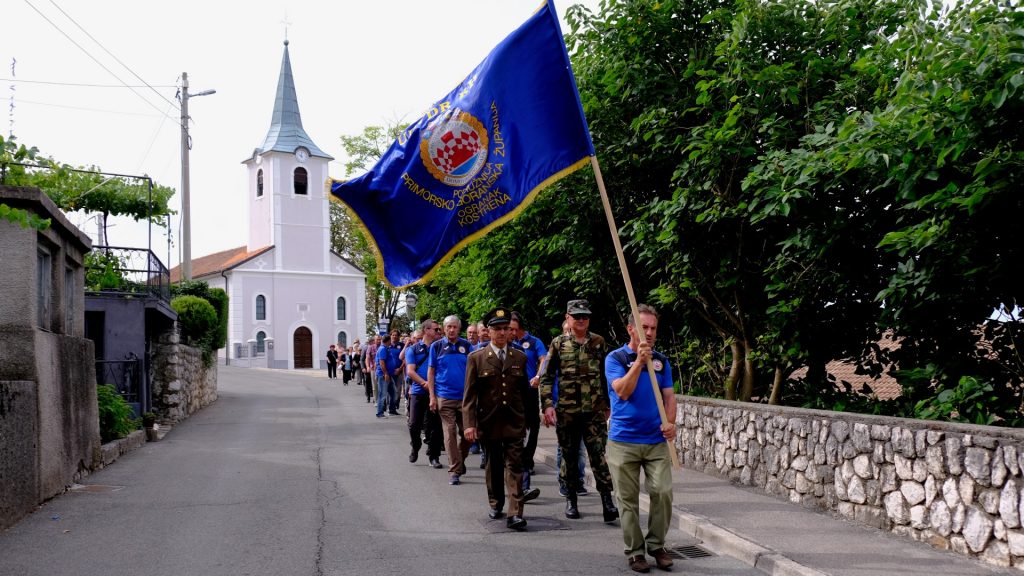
(182, 384)
(957, 487)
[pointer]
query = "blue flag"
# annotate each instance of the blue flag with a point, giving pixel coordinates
(478, 156)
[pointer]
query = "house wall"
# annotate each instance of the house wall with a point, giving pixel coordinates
(954, 486)
(49, 421)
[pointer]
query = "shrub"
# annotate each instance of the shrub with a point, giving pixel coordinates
(217, 298)
(117, 419)
(197, 319)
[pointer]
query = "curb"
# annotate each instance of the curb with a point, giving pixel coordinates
(719, 539)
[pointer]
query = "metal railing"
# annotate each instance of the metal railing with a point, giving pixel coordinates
(127, 270)
(125, 375)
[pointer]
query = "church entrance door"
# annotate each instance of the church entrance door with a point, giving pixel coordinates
(302, 344)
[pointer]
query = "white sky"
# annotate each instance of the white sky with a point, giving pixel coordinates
(355, 63)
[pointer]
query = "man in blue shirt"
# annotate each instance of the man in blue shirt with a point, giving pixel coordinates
(388, 364)
(446, 382)
(637, 440)
(421, 419)
(535, 351)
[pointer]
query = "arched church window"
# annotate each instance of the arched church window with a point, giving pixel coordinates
(259, 182)
(341, 307)
(342, 339)
(261, 307)
(301, 179)
(261, 345)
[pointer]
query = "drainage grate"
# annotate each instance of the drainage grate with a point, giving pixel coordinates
(685, 552)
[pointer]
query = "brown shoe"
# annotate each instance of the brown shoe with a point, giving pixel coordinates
(639, 563)
(662, 558)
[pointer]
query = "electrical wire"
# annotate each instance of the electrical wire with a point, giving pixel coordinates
(94, 59)
(84, 85)
(109, 53)
(22, 101)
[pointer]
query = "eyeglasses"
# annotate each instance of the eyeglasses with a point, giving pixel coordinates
(580, 316)
(437, 328)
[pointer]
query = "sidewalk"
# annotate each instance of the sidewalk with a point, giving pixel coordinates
(784, 539)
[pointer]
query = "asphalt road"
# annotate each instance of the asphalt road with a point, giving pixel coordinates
(291, 474)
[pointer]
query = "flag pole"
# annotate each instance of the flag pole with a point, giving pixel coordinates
(632, 298)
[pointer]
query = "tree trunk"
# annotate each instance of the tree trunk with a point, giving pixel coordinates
(747, 391)
(734, 371)
(776, 396)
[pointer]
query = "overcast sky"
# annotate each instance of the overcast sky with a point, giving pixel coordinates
(355, 63)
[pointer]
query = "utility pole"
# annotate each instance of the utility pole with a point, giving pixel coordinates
(186, 145)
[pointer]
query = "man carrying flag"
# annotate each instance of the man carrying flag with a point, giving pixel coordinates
(477, 157)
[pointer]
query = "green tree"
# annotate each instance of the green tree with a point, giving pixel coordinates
(348, 239)
(800, 177)
(84, 189)
(11, 152)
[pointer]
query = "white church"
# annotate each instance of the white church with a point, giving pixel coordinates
(290, 296)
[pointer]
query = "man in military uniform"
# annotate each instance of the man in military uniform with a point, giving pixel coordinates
(535, 351)
(577, 364)
(493, 411)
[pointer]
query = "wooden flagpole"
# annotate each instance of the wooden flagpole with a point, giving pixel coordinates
(632, 298)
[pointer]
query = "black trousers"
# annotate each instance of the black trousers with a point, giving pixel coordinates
(424, 422)
(332, 370)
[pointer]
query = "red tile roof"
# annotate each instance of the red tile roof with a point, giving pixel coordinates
(218, 262)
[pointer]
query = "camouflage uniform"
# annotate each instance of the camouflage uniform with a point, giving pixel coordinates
(583, 405)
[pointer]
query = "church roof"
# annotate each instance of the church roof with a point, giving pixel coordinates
(218, 262)
(286, 132)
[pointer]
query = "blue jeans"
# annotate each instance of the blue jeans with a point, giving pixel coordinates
(386, 387)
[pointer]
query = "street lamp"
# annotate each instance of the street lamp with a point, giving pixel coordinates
(186, 214)
(382, 325)
(410, 306)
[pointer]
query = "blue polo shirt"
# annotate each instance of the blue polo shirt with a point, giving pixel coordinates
(534, 350)
(417, 355)
(636, 420)
(448, 359)
(391, 357)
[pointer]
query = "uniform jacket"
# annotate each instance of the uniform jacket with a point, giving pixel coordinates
(579, 370)
(494, 402)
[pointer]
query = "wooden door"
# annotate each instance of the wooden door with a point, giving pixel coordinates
(302, 347)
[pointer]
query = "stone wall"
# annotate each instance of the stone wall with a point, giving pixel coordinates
(182, 384)
(957, 487)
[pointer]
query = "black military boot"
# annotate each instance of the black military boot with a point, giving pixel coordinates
(608, 507)
(571, 510)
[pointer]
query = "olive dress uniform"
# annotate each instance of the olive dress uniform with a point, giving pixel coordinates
(494, 404)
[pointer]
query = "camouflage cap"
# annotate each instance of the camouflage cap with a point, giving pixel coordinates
(578, 307)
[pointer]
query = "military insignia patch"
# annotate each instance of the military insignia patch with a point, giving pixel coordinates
(454, 148)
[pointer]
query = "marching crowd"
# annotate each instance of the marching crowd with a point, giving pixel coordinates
(489, 391)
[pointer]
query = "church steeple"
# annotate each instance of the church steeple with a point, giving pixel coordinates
(286, 133)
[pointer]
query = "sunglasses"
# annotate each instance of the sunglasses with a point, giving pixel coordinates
(580, 316)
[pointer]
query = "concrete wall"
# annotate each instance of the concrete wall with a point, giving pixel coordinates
(49, 422)
(958, 487)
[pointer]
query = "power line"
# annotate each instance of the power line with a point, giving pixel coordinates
(84, 85)
(22, 101)
(109, 53)
(94, 59)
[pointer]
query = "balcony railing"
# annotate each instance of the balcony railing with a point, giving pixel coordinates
(126, 270)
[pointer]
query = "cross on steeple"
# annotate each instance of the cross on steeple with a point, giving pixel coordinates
(286, 23)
